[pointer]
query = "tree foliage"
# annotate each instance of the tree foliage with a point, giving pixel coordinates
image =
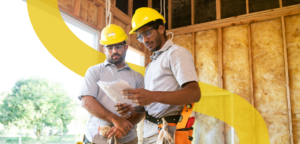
(35, 103)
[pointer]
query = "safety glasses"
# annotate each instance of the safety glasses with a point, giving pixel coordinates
(145, 34)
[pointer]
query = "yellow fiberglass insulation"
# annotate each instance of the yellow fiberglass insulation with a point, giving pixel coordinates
(292, 29)
(184, 40)
(269, 78)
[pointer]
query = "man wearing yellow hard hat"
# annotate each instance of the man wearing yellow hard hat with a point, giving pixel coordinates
(100, 106)
(170, 79)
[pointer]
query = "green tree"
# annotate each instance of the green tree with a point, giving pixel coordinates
(36, 103)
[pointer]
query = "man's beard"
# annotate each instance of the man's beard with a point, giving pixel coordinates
(111, 60)
(158, 43)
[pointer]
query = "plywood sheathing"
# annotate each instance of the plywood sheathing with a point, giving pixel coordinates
(68, 5)
(236, 74)
(207, 129)
(269, 78)
(89, 12)
(184, 40)
(292, 29)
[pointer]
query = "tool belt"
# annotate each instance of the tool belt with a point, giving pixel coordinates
(183, 135)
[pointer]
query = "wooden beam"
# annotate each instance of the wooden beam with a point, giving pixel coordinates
(150, 3)
(250, 64)
(117, 13)
(243, 19)
(193, 47)
(287, 79)
(247, 6)
(77, 8)
(193, 11)
(220, 77)
(220, 57)
(280, 3)
(100, 17)
(130, 8)
(170, 14)
(113, 2)
(218, 9)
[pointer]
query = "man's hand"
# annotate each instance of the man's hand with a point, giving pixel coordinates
(140, 96)
(114, 131)
(123, 109)
(122, 124)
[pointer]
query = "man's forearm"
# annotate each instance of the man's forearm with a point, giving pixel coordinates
(136, 118)
(138, 109)
(96, 109)
(188, 94)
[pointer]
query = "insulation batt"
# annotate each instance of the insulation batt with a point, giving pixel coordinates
(269, 78)
(208, 129)
(292, 29)
(236, 67)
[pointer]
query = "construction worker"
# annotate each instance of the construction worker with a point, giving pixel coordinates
(170, 79)
(100, 106)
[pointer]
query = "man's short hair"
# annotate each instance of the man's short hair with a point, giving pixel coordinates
(155, 24)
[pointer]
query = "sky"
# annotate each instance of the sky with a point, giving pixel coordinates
(22, 55)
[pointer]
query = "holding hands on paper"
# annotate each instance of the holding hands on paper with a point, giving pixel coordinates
(140, 97)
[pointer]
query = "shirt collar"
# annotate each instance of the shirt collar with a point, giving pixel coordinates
(107, 63)
(165, 47)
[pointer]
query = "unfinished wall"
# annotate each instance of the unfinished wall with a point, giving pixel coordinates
(269, 78)
(293, 52)
(207, 129)
(184, 40)
(236, 76)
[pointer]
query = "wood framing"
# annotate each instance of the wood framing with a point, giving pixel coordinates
(193, 48)
(170, 14)
(218, 9)
(150, 3)
(250, 65)
(287, 80)
(280, 3)
(220, 57)
(77, 7)
(247, 6)
(193, 11)
(130, 8)
(243, 19)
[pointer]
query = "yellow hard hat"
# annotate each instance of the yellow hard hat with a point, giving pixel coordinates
(112, 34)
(143, 16)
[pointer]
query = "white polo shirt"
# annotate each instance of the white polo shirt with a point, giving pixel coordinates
(171, 67)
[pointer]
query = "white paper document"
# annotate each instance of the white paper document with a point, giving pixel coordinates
(113, 90)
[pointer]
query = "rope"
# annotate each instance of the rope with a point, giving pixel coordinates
(164, 134)
(108, 13)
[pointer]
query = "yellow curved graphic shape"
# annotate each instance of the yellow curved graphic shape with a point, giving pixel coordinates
(78, 57)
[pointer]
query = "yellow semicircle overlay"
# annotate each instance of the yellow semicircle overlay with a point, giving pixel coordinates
(78, 57)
